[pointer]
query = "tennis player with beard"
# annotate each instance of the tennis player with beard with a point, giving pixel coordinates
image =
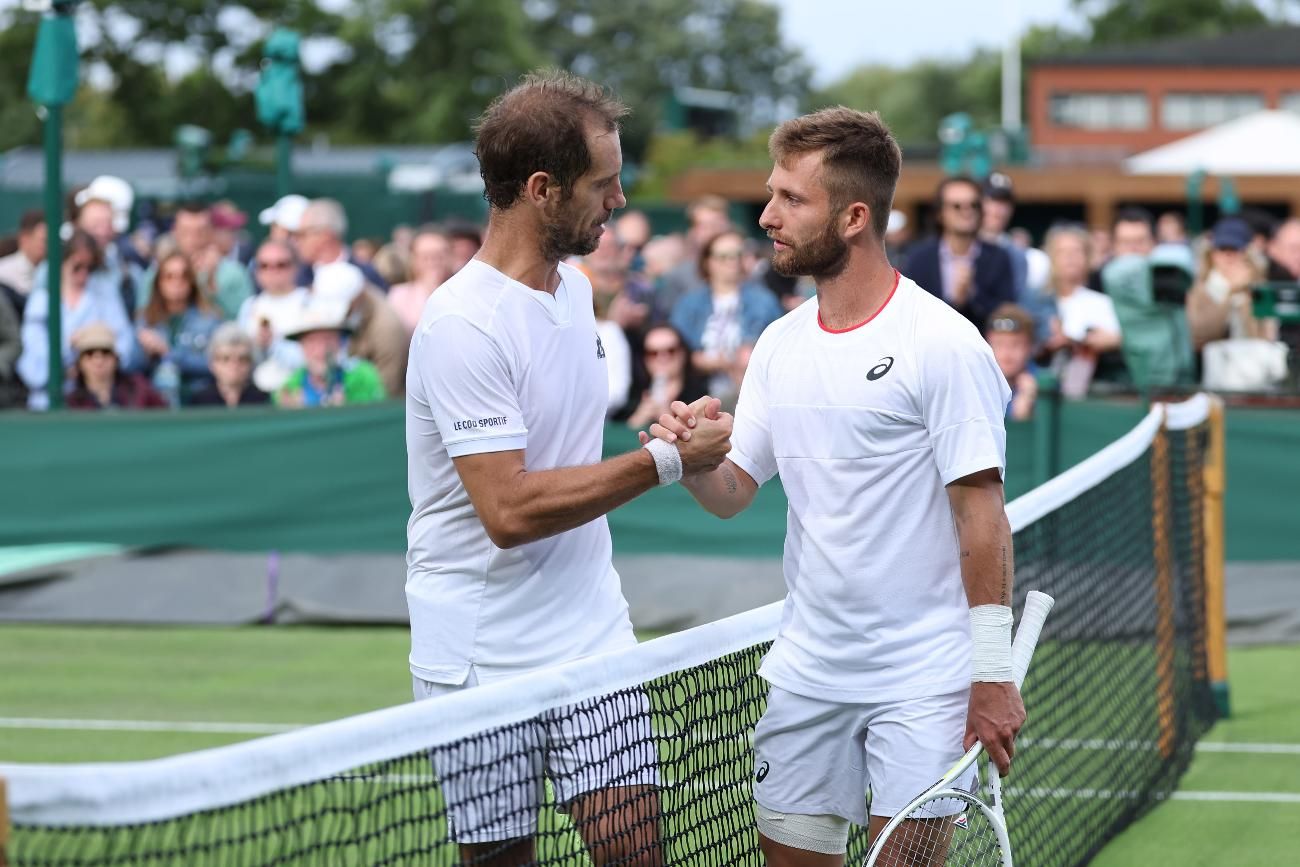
(508, 565)
(881, 408)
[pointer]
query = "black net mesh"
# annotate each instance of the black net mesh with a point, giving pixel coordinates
(662, 774)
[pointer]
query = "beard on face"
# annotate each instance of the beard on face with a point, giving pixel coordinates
(823, 257)
(565, 233)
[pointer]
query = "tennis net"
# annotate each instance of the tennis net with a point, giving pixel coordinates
(1117, 697)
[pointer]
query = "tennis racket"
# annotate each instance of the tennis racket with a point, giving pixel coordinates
(947, 826)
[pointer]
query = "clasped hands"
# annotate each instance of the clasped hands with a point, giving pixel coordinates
(701, 432)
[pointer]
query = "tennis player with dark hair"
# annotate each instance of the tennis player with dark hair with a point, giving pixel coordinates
(509, 567)
(881, 408)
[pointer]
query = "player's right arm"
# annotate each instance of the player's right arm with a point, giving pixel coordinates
(473, 403)
(517, 506)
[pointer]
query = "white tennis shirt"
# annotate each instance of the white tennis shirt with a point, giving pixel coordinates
(866, 428)
(497, 366)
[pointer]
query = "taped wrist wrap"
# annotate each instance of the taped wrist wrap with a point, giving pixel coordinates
(990, 629)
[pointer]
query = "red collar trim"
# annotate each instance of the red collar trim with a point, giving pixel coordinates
(822, 325)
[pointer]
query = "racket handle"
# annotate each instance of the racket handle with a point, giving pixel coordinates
(1031, 625)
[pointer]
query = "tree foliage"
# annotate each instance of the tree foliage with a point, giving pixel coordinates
(1114, 22)
(645, 48)
(394, 71)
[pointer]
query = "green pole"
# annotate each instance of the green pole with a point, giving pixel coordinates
(283, 165)
(52, 84)
(54, 249)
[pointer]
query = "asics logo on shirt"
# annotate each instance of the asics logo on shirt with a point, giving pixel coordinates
(600, 348)
(762, 773)
(882, 367)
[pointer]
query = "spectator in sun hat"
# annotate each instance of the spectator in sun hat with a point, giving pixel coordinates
(230, 358)
(378, 335)
(1010, 333)
(98, 381)
(328, 377)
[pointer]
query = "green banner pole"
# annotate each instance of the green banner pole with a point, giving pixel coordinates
(52, 84)
(283, 165)
(54, 249)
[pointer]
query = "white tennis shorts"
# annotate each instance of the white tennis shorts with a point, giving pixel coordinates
(814, 757)
(494, 784)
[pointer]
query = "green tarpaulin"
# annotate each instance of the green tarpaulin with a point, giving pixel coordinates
(335, 480)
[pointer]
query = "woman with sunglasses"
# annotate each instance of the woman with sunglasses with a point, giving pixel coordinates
(88, 295)
(174, 329)
(668, 373)
(98, 381)
(722, 319)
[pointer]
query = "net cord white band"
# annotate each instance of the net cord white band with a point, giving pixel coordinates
(129, 792)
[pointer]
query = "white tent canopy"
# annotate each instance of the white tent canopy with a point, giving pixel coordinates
(1263, 143)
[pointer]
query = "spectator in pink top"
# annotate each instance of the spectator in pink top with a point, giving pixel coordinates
(431, 265)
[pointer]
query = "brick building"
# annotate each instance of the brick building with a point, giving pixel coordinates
(1087, 112)
(1110, 103)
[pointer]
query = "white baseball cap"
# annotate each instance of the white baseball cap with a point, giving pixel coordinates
(287, 212)
(116, 192)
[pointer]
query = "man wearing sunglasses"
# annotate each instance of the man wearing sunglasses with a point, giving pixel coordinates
(971, 276)
(268, 316)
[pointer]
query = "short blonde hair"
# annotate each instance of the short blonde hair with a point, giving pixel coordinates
(860, 158)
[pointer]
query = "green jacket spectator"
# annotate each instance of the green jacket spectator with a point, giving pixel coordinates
(328, 378)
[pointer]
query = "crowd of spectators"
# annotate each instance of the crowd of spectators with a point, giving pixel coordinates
(192, 313)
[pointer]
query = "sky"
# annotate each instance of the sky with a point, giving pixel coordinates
(839, 35)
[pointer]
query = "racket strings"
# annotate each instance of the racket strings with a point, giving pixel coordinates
(944, 832)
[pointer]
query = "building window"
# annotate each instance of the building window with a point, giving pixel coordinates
(1101, 110)
(1291, 101)
(1199, 110)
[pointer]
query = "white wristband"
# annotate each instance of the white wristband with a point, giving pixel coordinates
(990, 629)
(668, 461)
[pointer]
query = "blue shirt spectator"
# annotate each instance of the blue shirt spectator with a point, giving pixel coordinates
(88, 295)
(722, 320)
(176, 326)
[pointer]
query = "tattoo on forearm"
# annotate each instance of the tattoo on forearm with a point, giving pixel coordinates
(729, 478)
(1006, 578)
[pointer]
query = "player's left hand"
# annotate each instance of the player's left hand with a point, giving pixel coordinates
(995, 717)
